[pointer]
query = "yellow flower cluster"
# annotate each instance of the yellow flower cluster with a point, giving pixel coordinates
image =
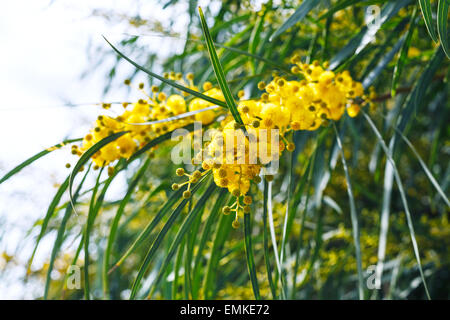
(319, 95)
(156, 106)
(237, 153)
(235, 158)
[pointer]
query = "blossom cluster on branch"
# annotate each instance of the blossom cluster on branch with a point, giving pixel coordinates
(238, 151)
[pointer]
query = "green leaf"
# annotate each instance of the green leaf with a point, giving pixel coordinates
(221, 25)
(403, 198)
(354, 218)
(60, 235)
(415, 98)
(382, 49)
(308, 173)
(185, 227)
(403, 53)
(89, 153)
(318, 242)
(191, 237)
(273, 239)
(176, 271)
(255, 37)
(87, 230)
(297, 197)
(340, 5)
(425, 7)
(156, 141)
(150, 226)
(218, 70)
(94, 208)
(48, 216)
(367, 82)
(142, 236)
(299, 14)
(385, 213)
(267, 259)
(169, 82)
(321, 175)
(363, 38)
(222, 231)
(249, 255)
(235, 50)
(442, 21)
(423, 165)
(287, 218)
(188, 292)
(206, 233)
(326, 38)
(254, 56)
(256, 34)
(36, 157)
(157, 242)
(149, 256)
(115, 223)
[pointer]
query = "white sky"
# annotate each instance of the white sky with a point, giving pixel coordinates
(43, 53)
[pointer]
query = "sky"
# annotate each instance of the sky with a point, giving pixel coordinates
(44, 52)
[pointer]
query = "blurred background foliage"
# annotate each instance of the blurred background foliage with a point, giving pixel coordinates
(409, 72)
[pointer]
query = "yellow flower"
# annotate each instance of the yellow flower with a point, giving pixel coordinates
(176, 104)
(353, 110)
(206, 117)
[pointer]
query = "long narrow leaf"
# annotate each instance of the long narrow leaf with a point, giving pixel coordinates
(403, 53)
(156, 141)
(150, 226)
(87, 230)
(365, 36)
(424, 166)
(385, 212)
(354, 217)
(415, 98)
(218, 70)
(169, 82)
(115, 223)
(299, 14)
(425, 7)
(442, 23)
(340, 6)
(36, 157)
(308, 173)
(89, 153)
(60, 235)
(287, 211)
(185, 227)
(250, 256)
(367, 82)
(157, 242)
(48, 216)
(403, 198)
(267, 259)
(221, 234)
(273, 238)
(206, 233)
